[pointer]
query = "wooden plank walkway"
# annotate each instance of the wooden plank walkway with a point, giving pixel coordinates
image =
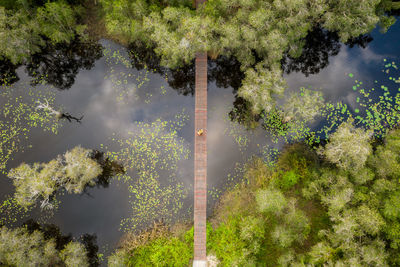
(200, 159)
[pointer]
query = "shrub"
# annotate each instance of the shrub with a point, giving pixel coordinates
(391, 207)
(362, 176)
(282, 236)
(385, 162)
(294, 226)
(258, 173)
(74, 254)
(118, 259)
(370, 221)
(252, 232)
(156, 246)
(348, 147)
(288, 180)
(299, 158)
(271, 201)
(227, 243)
(235, 202)
(168, 251)
(238, 241)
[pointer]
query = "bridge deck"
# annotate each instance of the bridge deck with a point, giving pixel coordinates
(200, 159)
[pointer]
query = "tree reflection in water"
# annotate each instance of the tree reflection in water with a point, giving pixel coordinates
(7, 72)
(110, 168)
(49, 231)
(56, 65)
(225, 72)
(319, 45)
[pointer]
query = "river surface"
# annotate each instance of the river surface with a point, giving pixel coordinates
(111, 105)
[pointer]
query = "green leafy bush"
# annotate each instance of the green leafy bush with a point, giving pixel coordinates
(162, 252)
(391, 208)
(238, 241)
(156, 246)
(288, 180)
(298, 158)
(349, 147)
(271, 201)
(226, 242)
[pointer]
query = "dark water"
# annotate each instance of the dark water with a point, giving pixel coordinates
(95, 95)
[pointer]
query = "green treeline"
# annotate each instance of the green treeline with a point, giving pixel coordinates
(34, 244)
(257, 33)
(334, 206)
(23, 247)
(26, 26)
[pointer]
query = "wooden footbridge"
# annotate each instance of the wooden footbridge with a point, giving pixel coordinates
(200, 160)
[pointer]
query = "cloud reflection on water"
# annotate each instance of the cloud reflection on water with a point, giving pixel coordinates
(95, 97)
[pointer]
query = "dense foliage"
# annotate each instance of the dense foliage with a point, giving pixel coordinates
(20, 247)
(320, 210)
(26, 26)
(308, 208)
(158, 246)
(257, 33)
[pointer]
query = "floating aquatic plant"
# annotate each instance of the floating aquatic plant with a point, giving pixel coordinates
(150, 154)
(19, 116)
(377, 110)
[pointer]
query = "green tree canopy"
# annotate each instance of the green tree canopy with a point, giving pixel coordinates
(348, 147)
(257, 33)
(73, 171)
(18, 247)
(330, 216)
(27, 28)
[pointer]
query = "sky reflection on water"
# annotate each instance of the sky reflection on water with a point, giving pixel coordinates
(95, 97)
